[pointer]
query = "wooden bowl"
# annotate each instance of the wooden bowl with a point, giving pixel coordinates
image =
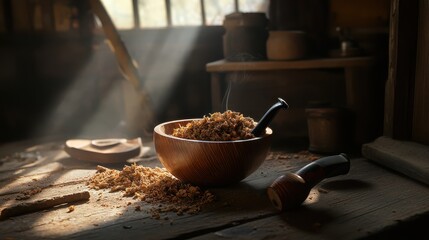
(209, 163)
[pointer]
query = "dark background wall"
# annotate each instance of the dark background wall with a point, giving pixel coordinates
(65, 82)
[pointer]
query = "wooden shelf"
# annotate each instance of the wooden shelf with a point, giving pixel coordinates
(226, 66)
(359, 77)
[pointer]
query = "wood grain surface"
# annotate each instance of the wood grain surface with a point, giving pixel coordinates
(367, 201)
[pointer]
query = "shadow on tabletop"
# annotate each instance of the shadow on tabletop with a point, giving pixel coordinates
(345, 185)
(308, 219)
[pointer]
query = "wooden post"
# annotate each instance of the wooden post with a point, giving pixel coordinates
(399, 98)
(136, 14)
(421, 103)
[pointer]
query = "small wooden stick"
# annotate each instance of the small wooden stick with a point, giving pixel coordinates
(30, 207)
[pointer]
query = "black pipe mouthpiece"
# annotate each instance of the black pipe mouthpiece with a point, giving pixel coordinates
(268, 117)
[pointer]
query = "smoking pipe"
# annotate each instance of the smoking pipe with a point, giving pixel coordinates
(290, 190)
(268, 116)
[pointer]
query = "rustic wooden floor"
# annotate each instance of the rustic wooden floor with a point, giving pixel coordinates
(369, 202)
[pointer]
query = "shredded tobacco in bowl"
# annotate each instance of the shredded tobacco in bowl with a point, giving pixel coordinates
(226, 126)
(152, 185)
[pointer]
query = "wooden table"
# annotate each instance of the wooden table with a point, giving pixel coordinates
(368, 202)
(361, 85)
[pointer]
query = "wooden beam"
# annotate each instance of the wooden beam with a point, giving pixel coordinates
(203, 13)
(168, 12)
(126, 64)
(421, 101)
(136, 14)
(236, 6)
(399, 97)
(124, 59)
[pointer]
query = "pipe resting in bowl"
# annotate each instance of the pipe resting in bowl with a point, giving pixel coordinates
(268, 117)
(214, 163)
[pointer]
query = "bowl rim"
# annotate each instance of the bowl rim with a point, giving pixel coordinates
(157, 129)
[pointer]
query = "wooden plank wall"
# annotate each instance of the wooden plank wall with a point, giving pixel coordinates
(421, 101)
(406, 103)
(399, 96)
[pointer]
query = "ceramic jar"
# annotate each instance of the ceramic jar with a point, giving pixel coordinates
(245, 36)
(286, 45)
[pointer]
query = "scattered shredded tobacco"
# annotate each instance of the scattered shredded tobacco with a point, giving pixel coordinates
(28, 193)
(152, 185)
(227, 126)
(70, 209)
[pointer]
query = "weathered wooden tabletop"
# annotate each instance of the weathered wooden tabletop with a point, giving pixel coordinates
(367, 202)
